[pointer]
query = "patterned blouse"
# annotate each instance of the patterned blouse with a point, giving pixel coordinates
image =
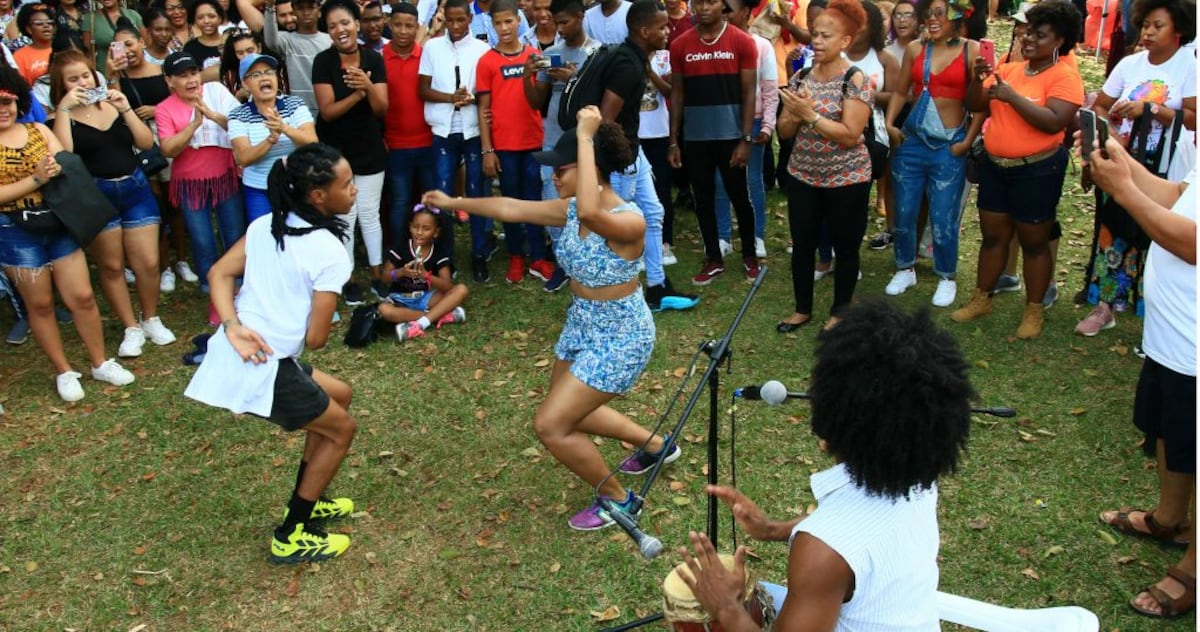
(17, 164)
(818, 161)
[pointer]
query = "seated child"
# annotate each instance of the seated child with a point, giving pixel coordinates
(421, 291)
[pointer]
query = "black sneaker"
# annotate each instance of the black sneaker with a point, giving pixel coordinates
(379, 288)
(880, 241)
(685, 198)
(479, 269)
(490, 246)
(352, 294)
(641, 461)
(556, 280)
(660, 297)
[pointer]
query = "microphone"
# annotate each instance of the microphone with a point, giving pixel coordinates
(649, 545)
(457, 81)
(996, 411)
(772, 392)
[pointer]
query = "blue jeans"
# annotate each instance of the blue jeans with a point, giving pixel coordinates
(521, 178)
(231, 224)
(758, 193)
(450, 151)
(134, 200)
(636, 184)
(936, 174)
(257, 204)
(550, 193)
(403, 164)
(22, 249)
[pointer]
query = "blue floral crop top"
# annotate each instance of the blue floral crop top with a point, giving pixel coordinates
(588, 259)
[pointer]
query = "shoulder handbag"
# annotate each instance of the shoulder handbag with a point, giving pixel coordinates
(37, 221)
(364, 326)
(76, 200)
(151, 160)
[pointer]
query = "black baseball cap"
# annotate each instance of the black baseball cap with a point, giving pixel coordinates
(564, 152)
(177, 63)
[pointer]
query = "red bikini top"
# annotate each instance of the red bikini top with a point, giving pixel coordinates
(950, 83)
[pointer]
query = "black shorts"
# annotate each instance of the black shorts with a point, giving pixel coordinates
(298, 398)
(1165, 408)
(1028, 193)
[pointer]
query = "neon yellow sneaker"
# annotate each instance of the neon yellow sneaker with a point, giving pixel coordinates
(307, 544)
(328, 509)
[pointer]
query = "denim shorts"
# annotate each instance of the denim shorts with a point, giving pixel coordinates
(22, 249)
(418, 303)
(607, 342)
(1028, 193)
(135, 201)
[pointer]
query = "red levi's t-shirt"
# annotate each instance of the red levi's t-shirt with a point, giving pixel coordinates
(404, 123)
(515, 125)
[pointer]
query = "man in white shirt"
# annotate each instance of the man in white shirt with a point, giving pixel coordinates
(446, 82)
(605, 22)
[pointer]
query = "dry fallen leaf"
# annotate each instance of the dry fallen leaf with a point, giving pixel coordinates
(555, 567)
(139, 550)
(1030, 573)
(681, 500)
(978, 524)
(1125, 559)
(677, 486)
(1078, 411)
(293, 586)
(542, 363)
(31, 566)
(610, 613)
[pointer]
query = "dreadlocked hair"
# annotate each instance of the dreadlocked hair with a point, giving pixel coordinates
(288, 185)
(891, 398)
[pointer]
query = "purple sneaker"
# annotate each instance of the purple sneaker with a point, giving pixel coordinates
(596, 517)
(641, 461)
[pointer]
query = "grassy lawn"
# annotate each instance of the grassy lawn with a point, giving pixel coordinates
(140, 509)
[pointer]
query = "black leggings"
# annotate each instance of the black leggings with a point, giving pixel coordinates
(844, 211)
(656, 154)
(703, 160)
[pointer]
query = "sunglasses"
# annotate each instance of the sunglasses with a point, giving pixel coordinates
(40, 23)
(174, 7)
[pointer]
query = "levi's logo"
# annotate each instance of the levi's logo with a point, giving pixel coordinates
(513, 71)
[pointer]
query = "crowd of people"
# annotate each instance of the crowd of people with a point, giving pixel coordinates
(258, 140)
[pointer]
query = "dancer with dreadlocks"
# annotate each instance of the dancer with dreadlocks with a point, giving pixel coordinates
(293, 267)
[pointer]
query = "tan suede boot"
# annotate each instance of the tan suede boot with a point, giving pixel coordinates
(979, 305)
(1032, 321)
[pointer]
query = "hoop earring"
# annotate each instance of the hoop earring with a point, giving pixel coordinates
(1054, 59)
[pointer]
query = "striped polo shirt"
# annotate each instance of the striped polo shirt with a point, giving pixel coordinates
(712, 85)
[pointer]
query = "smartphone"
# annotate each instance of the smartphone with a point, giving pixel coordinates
(556, 61)
(541, 62)
(987, 50)
(1087, 132)
(96, 95)
(1102, 135)
(117, 50)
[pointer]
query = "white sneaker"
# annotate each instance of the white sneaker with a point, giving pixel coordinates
(668, 257)
(185, 272)
(112, 373)
(760, 247)
(157, 332)
(68, 385)
(947, 289)
(131, 346)
(900, 282)
(726, 247)
(821, 274)
(166, 281)
(129, 278)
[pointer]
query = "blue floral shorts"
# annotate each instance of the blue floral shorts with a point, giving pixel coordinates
(607, 342)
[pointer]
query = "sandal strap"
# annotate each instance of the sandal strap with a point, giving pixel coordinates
(1166, 605)
(1181, 576)
(1160, 531)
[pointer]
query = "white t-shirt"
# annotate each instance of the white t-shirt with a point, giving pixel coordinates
(607, 29)
(439, 59)
(655, 119)
(275, 301)
(873, 68)
(1168, 84)
(891, 545)
(1169, 337)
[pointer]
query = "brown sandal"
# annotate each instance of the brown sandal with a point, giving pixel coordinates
(1169, 608)
(1175, 536)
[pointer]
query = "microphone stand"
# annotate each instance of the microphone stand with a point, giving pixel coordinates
(718, 351)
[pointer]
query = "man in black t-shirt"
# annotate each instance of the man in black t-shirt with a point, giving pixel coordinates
(625, 78)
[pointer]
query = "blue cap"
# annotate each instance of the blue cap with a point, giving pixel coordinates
(250, 60)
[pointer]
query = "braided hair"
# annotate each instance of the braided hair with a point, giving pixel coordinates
(288, 185)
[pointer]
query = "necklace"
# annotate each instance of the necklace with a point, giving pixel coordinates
(1030, 72)
(716, 39)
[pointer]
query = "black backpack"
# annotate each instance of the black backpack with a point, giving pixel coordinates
(875, 147)
(364, 326)
(586, 87)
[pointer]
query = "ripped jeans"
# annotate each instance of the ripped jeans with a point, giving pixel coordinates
(921, 171)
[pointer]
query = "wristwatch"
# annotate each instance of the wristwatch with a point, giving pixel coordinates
(747, 139)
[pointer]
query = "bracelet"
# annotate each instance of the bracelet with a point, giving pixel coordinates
(673, 146)
(65, 110)
(428, 277)
(125, 111)
(393, 274)
(814, 122)
(230, 322)
(487, 151)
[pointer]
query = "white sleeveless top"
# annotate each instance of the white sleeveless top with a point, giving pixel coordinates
(873, 68)
(890, 545)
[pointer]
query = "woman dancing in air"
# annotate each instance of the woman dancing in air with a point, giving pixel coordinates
(609, 333)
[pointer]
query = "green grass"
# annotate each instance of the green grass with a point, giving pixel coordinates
(464, 523)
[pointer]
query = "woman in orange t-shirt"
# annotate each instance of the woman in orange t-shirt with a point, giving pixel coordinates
(1030, 103)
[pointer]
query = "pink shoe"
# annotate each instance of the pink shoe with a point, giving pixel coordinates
(1100, 319)
(408, 331)
(457, 315)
